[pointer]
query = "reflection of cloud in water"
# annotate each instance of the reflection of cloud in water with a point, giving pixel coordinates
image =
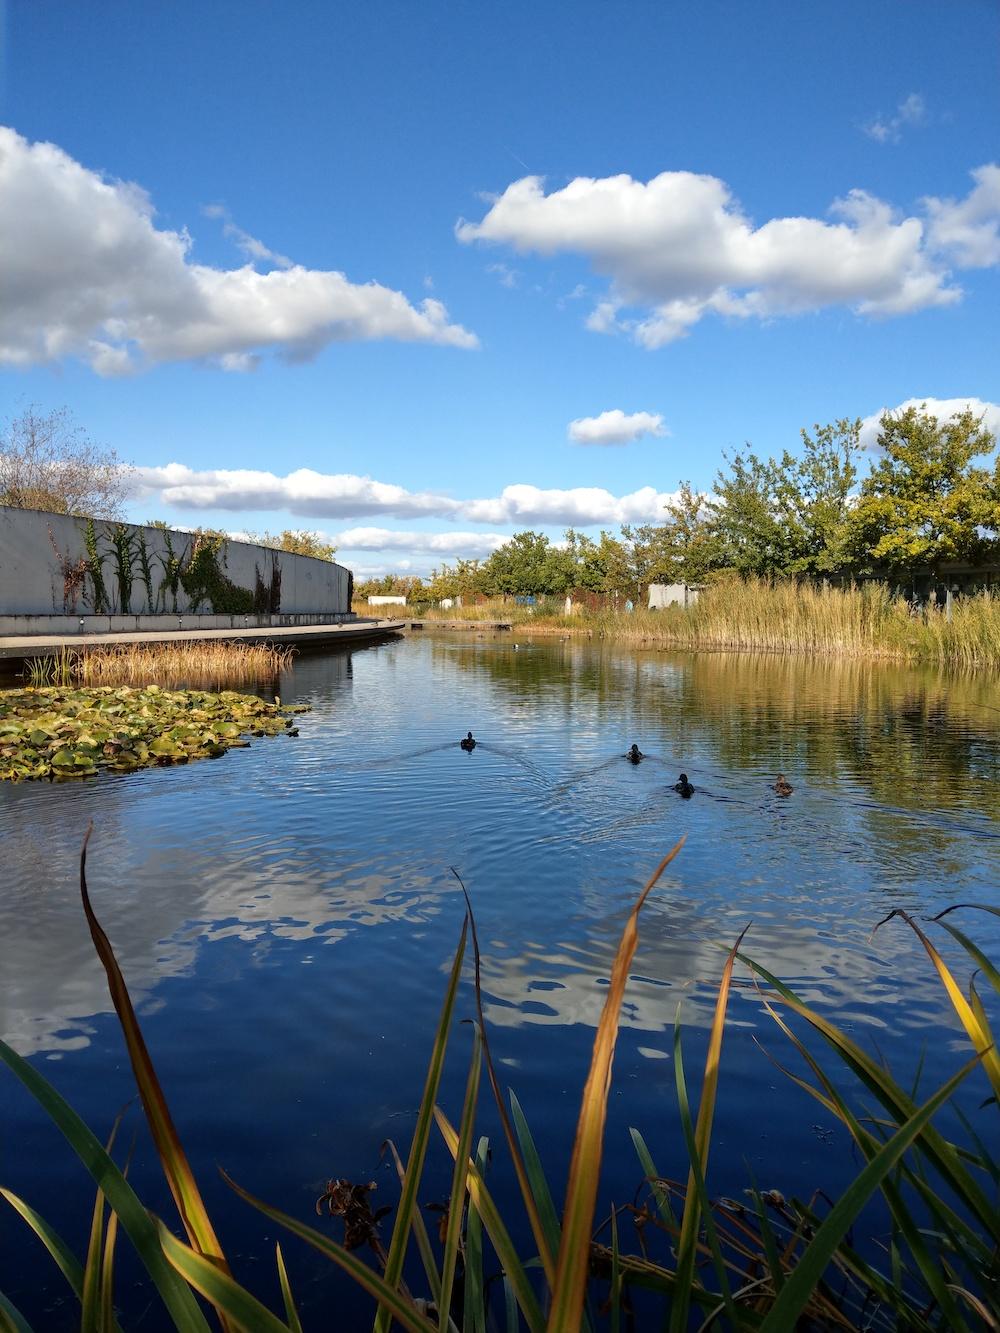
(159, 929)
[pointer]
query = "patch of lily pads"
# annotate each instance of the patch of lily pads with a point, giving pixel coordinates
(66, 733)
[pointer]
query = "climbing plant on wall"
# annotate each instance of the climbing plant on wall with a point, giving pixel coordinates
(123, 551)
(171, 563)
(204, 581)
(146, 570)
(98, 592)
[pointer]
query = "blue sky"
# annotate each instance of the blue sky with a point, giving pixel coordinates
(650, 198)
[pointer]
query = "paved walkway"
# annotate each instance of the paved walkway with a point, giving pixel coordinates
(45, 645)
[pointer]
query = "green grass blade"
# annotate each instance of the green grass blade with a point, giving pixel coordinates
(175, 1293)
(537, 1182)
(474, 1305)
(399, 1306)
(653, 1177)
(90, 1318)
(11, 1318)
(65, 1260)
(812, 1264)
(569, 1287)
(496, 1230)
(510, 1306)
(616, 1275)
(456, 1207)
(108, 1321)
(291, 1314)
(218, 1287)
(421, 1136)
(938, 1151)
(173, 1159)
(420, 1231)
(975, 953)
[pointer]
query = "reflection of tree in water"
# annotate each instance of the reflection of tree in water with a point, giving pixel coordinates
(917, 739)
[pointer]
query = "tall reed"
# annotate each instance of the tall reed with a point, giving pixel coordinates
(203, 664)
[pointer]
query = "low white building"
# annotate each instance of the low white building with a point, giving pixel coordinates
(386, 601)
(671, 594)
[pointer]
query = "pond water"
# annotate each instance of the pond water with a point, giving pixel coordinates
(285, 918)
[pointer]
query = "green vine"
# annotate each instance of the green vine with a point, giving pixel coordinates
(172, 565)
(146, 570)
(204, 580)
(99, 593)
(123, 549)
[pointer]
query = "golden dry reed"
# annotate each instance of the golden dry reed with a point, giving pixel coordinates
(866, 621)
(201, 664)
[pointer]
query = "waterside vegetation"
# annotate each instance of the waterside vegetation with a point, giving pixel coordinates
(69, 733)
(204, 664)
(678, 1254)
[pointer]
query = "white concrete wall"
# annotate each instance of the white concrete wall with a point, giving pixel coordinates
(38, 549)
(671, 594)
(386, 601)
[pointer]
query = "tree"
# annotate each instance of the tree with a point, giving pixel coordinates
(693, 547)
(925, 503)
(47, 462)
(297, 542)
(820, 505)
(527, 564)
(460, 580)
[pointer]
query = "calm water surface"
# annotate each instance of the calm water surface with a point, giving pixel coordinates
(285, 918)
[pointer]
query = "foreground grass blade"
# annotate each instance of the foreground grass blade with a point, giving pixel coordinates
(175, 1164)
(421, 1136)
(653, 1177)
(291, 1314)
(978, 1033)
(11, 1318)
(208, 1279)
(545, 1252)
(569, 1288)
(812, 1264)
(536, 1176)
(474, 1305)
(175, 1293)
(66, 1261)
(456, 1205)
(695, 1198)
(399, 1306)
(90, 1318)
(420, 1231)
(479, 1195)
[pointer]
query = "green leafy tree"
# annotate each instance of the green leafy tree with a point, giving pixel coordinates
(528, 564)
(296, 542)
(463, 579)
(925, 502)
(693, 548)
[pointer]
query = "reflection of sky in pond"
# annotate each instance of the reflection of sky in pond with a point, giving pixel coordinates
(284, 916)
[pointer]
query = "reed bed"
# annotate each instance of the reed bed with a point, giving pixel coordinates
(866, 621)
(205, 664)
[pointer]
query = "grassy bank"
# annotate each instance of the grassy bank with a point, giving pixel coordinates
(677, 1255)
(862, 622)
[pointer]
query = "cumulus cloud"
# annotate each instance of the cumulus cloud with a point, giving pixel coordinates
(942, 408)
(911, 112)
(679, 247)
(969, 228)
(86, 273)
(345, 495)
(615, 427)
(466, 544)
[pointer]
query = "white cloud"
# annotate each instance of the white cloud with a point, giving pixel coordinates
(679, 247)
(465, 544)
(911, 112)
(969, 228)
(344, 495)
(256, 251)
(86, 273)
(507, 276)
(616, 427)
(942, 408)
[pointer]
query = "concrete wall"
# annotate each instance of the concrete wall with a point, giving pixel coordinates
(46, 571)
(671, 594)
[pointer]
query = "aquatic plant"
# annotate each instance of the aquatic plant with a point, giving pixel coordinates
(202, 664)
(769, 1264)
(58, 732)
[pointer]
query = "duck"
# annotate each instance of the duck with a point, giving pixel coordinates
(783, 787)
(634, 755)
(683, 787)
(468, 743)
